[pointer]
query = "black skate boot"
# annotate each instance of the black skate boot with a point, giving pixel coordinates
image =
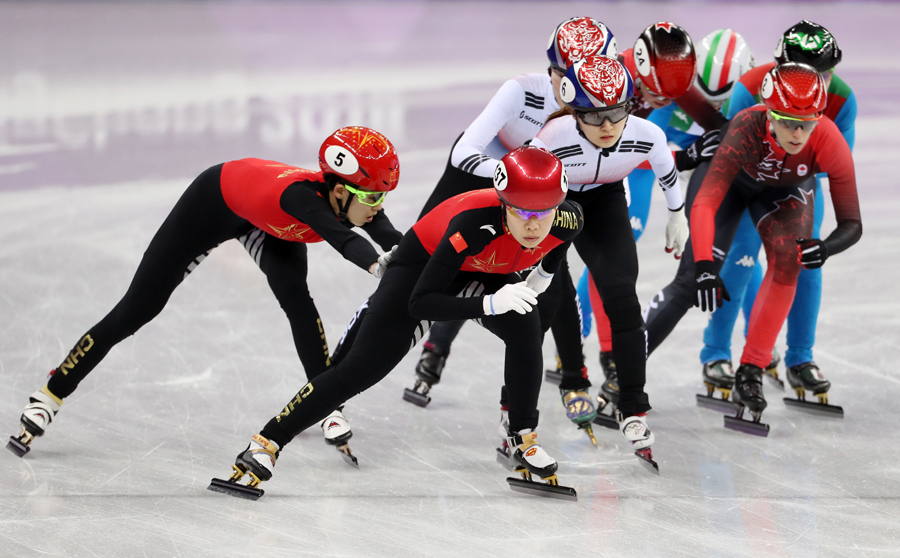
(554, 375)
(37, 416)
(529, 458)
(258, 461)
(428, 373)
(771, 371)
(609, 394)
(717, 375)
(748, 393)
(807, 377)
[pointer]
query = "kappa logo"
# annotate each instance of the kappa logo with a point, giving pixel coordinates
(636, 224)
(746, 261)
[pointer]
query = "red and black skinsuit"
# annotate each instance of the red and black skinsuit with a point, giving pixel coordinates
(750, 170)
(445, 265)
(274, 210)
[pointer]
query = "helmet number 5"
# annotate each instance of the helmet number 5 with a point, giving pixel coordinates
(339, 160)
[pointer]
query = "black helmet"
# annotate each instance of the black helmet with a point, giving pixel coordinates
(809, 43)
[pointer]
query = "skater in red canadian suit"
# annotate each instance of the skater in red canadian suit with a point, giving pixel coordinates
(274, 210)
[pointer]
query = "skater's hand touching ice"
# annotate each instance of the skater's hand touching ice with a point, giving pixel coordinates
(515, 296)
(710, 287)
(538, 280)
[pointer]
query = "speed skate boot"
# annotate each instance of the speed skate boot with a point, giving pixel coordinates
(580, 410)
(771, 372)
(609, 393)
(640, 437)
(717, 375)
(748, 393)
(807, 377)
(337, 432)
(258, 461)
(37, 416)
(428, 374)
(529, 458)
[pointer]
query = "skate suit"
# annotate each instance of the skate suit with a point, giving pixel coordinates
(750, 171)
(681, 120)
(607, 244)
(741, 273)
(274, 210)
(446, 264)
(511, 119)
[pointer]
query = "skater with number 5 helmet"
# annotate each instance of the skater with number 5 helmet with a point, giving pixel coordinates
(511, 119)
(600, 144)
(461, 261)
(766, 163)
(274, 210)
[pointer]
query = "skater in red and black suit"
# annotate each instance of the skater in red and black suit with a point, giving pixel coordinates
(460, 261)
(274, 210)
(767, 162)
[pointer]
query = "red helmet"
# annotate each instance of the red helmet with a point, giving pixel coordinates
(362, 157)
(531, 178)
(576, 38)
(665, 60)
(794, 88)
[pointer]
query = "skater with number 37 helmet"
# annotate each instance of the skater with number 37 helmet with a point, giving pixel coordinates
(461, 261)
(274, 210)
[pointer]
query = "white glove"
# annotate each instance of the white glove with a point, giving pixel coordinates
(515, 296)
(538, 280)
(382, 263)
(677, 232)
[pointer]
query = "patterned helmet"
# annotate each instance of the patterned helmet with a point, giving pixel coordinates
(665, 60)
(723, 57)
(809, 43)
(576, 38)
(362, 157)
(596, 83)
(531, 178)
(794, 88)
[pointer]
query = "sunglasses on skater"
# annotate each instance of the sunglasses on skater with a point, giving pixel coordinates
(367, 198)
(596, 117)
(793, 122)
(526, 214)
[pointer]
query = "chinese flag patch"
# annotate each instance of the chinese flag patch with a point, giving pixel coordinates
(458, 242)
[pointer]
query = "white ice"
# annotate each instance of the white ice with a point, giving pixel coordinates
(107, 111)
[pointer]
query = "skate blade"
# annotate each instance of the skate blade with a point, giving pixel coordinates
(541, 489)
(348, 457)
(553, 376)
(645, 458)
(606, 420)
(715, 403)
(416, 398)
(503, 459)
(232, 488)
(590, 432)
(17, 447)
(747, 426)
(821, 409)
(776, 382)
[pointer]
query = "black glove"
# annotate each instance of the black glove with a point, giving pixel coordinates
(811, 253)
(698, 152)
(710, 287)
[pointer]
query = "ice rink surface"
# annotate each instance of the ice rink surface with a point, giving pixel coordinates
(108, 110)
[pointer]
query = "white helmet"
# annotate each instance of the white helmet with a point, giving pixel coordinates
(723, 57)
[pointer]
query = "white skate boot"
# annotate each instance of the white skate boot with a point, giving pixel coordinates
(529, 458)
(37, 416)
(336, 429)
(640, 437)
(258, 461)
